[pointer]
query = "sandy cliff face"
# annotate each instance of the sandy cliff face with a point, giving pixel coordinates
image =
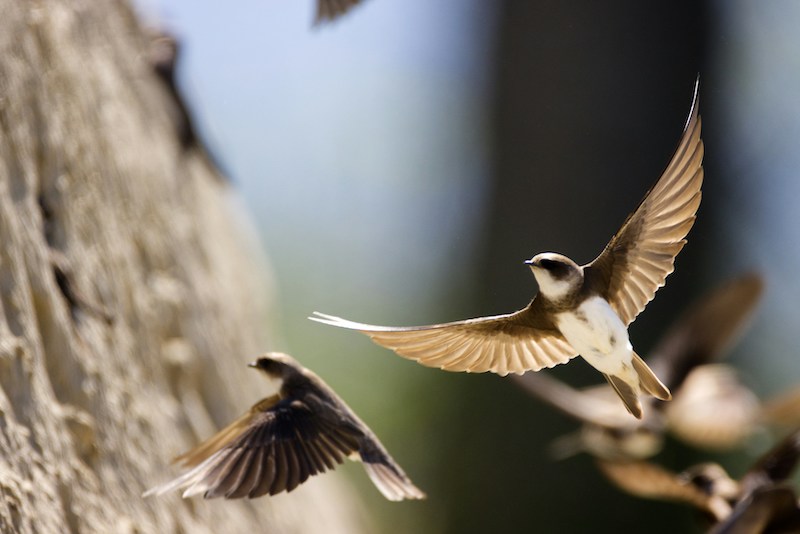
(132, 291)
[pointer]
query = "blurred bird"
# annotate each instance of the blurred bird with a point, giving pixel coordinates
(282, 440)
(758, 498)
(707, 487)
(710, 407)
(579, 309)
(328, 10)
(770, 510)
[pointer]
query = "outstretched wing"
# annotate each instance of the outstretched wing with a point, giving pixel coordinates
(273, 448)
(512, 343)
(637, 260)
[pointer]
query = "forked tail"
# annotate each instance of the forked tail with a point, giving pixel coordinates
(648, 380)
(628, 394)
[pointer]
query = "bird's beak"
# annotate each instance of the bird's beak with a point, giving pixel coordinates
(252, 364)
(531, 263)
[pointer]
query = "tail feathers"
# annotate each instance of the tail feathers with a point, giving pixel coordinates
(193, 481)
(648, 380)
(394, 485)
(628, 394)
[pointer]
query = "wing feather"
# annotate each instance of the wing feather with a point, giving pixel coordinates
(272, 448)
(638, 259)
(502, 344)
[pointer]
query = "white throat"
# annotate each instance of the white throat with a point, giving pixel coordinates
(553, 289)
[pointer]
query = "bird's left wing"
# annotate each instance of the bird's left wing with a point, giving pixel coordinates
(637, 260)
(512, 343)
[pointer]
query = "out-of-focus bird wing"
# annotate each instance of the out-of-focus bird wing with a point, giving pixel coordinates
(767, 510)
(707, 330)
(597, 405)
(782, 410)
(775, 466)
(637, 260)
(273, 448)
(513, 343)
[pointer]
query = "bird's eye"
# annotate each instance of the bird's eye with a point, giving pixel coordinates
(549, 265)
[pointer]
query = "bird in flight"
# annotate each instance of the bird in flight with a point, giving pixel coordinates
(760, 498)
(580, 309)
(303, 430)
(718, 414)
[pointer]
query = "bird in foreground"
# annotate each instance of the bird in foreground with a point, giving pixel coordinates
(303, 430)
(580, 309)
(328, 10)
(707, 409)
(758, 498)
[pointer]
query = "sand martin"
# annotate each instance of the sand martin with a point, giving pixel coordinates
(303, 430)
(708, 408)
(580, 309)
(709, 488)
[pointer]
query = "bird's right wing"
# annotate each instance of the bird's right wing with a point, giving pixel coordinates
(272, 448)
(512, 343)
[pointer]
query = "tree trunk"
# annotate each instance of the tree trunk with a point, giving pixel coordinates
(133, 293)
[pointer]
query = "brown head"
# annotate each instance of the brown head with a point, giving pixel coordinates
(276, 364)
(556, 274)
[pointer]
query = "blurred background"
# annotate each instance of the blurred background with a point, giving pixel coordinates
(401, 162)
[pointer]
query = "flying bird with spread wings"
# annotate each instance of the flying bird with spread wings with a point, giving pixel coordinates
(303, 430)
(708, 409)
(759, 501)
(580, 309)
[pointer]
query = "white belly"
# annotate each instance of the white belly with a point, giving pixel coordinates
(598, 334)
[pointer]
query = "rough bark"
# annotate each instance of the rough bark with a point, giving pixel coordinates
(132, 292)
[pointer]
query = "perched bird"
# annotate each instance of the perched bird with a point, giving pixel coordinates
(710, 408)
(282, 440)
(579, 309)
(328, 10)
(758, 498)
